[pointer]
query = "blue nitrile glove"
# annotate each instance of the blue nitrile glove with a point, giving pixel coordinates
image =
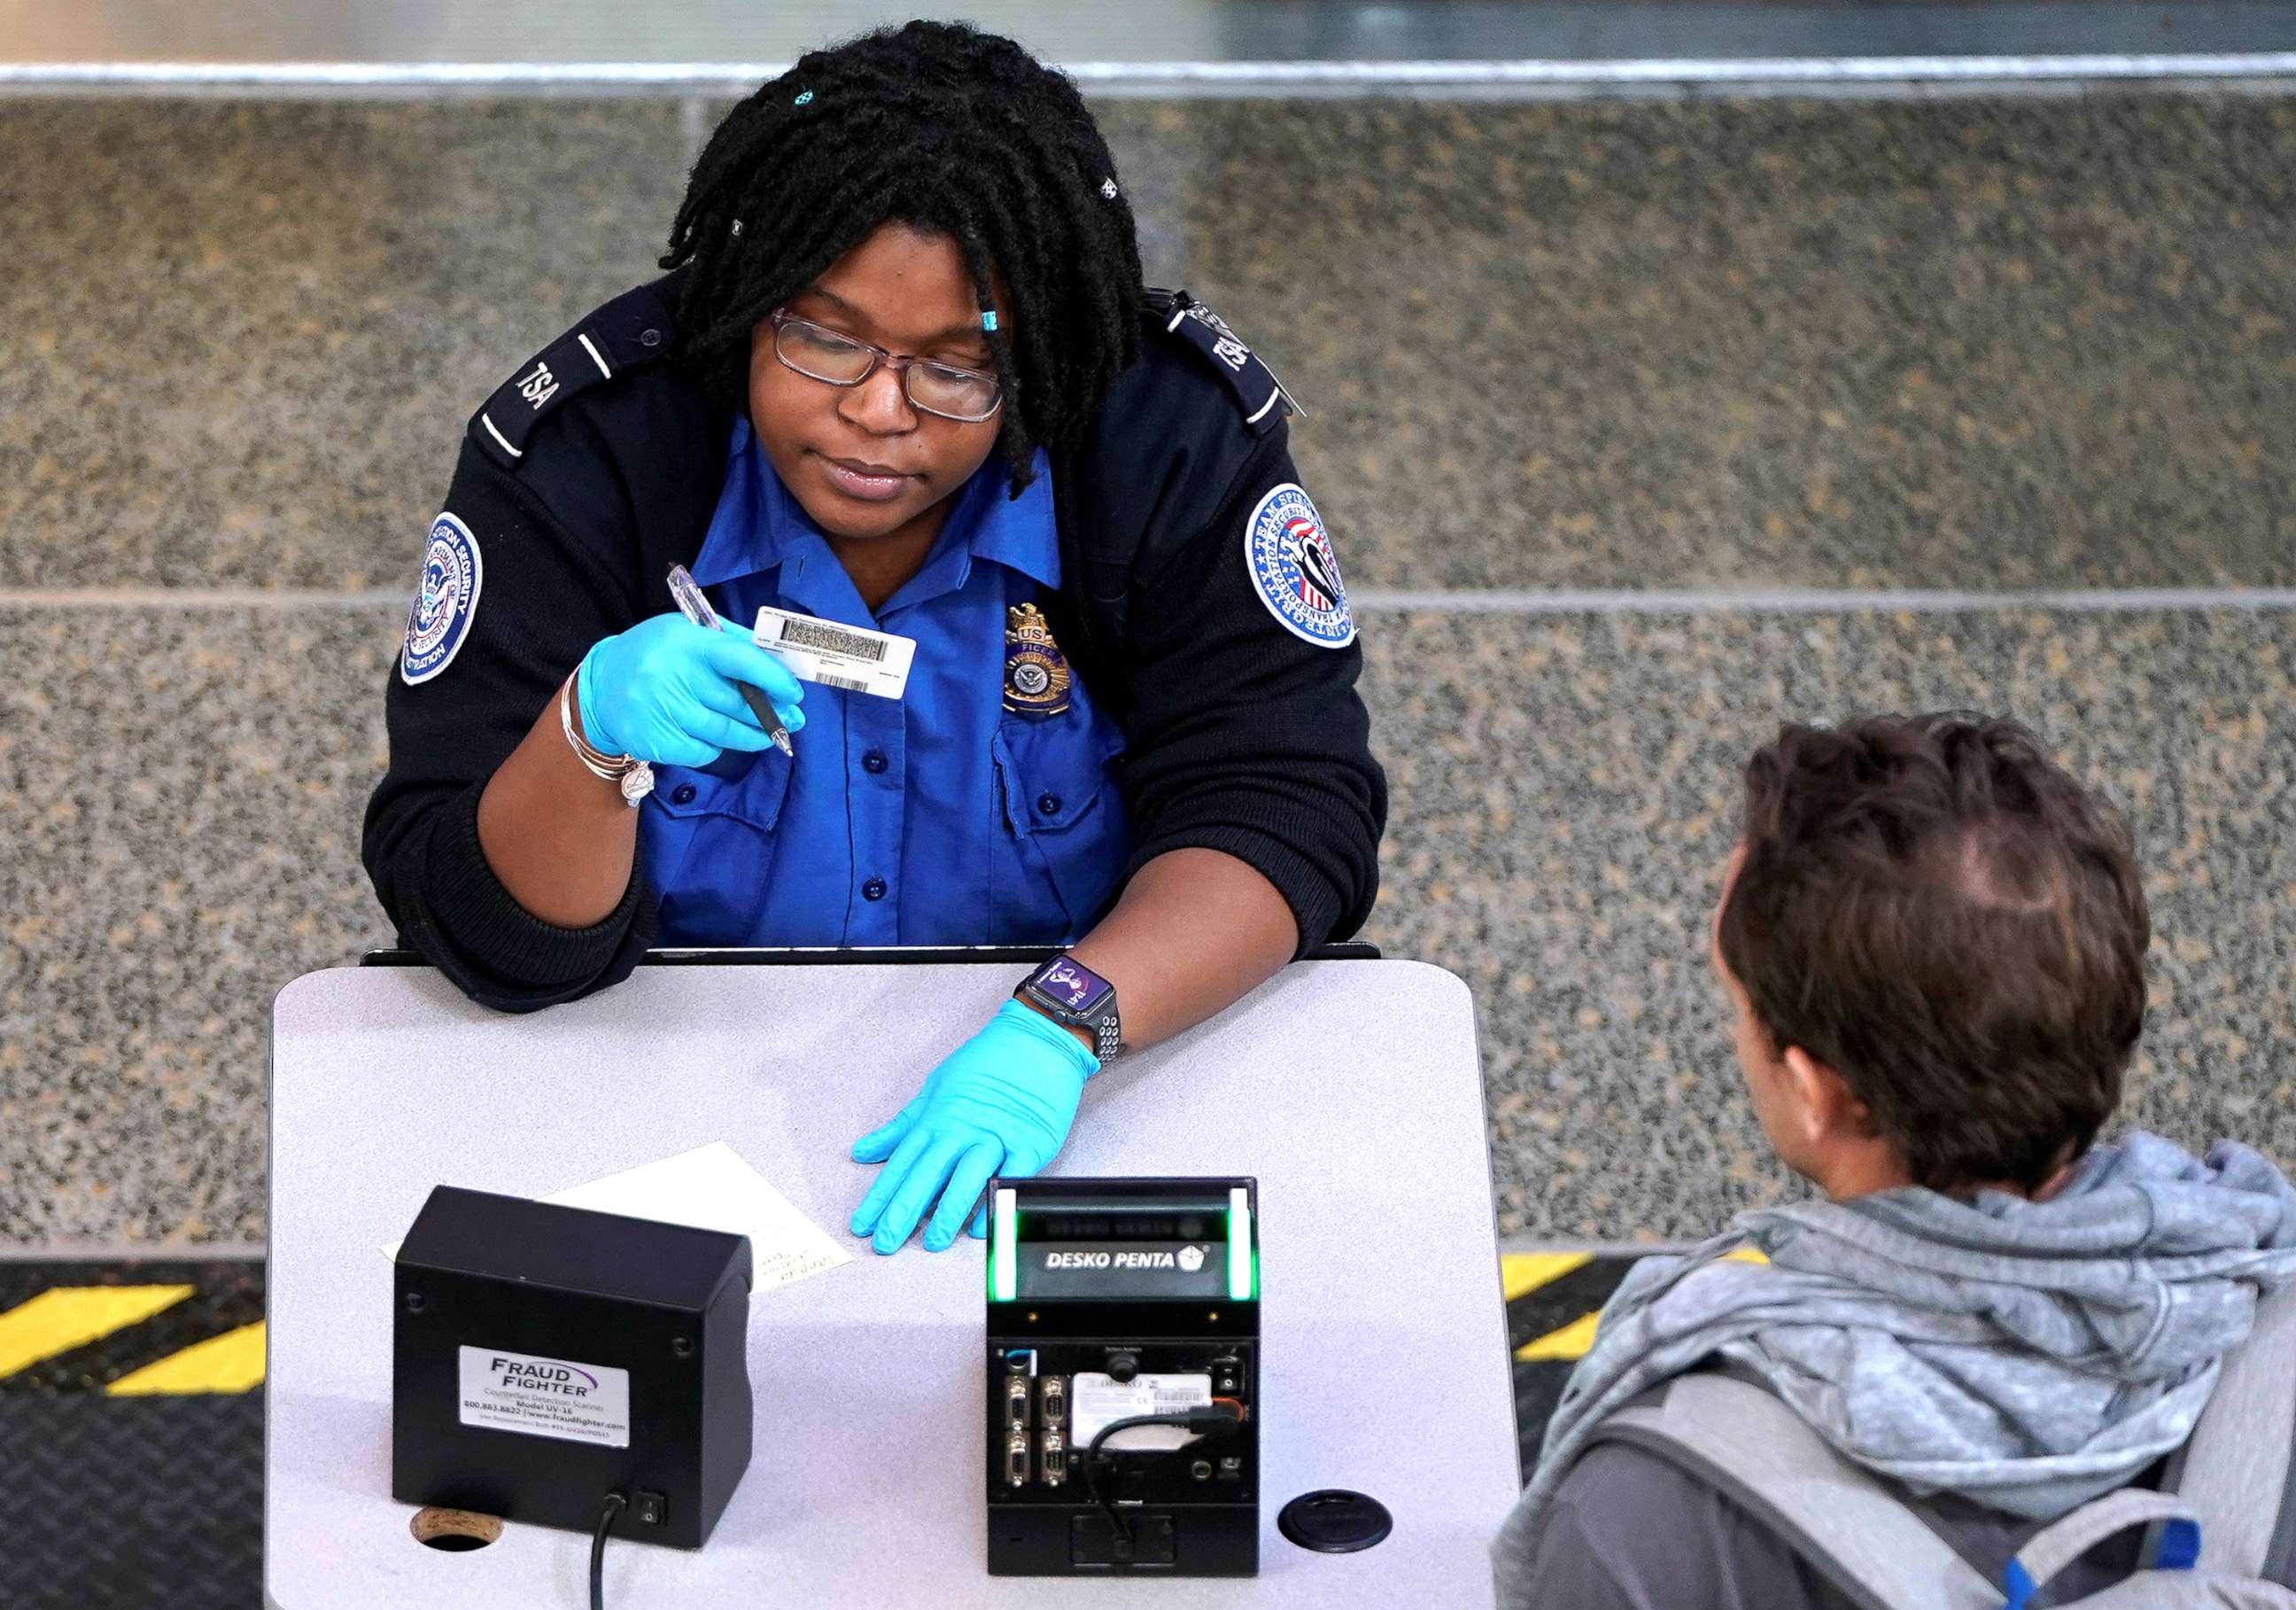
(999, 1103)
(664, 692)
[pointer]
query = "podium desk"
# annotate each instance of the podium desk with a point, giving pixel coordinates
(1349, 1088)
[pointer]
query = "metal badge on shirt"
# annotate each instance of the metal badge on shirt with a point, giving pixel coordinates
(1035, 672)
(835, 654)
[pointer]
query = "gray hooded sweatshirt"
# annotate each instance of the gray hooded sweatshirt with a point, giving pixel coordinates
(2027, 1355)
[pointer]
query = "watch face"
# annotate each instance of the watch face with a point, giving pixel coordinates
(1076, 987)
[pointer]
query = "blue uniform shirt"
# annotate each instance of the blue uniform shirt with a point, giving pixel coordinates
(941, 818)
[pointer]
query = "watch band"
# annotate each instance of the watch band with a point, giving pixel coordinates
(1108, 1039)
(633, 775)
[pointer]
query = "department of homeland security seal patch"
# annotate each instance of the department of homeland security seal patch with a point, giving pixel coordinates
(1295, 570)
(444, 603)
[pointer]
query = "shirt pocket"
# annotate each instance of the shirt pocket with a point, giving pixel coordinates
(707, 842)
(1057, 786)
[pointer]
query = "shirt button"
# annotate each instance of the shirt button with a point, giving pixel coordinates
(683, 794)
(1049, 803)
(874, 762)
(874, 890)
(651, 338)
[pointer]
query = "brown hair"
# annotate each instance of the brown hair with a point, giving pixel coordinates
(1933, 909)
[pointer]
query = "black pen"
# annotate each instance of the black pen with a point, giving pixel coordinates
(683, 588)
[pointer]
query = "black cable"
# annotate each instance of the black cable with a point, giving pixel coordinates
(1118, 1528)
(1215, 1422)
(615, 1502)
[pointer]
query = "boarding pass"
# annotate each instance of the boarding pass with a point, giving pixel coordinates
(837, 655)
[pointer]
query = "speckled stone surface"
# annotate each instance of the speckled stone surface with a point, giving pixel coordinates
(1565, 794)
(243, 337)
(1961, 343)
(1564, 791)
(179, 802)
(1958, 343)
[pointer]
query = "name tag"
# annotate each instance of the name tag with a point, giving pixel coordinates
(836, 655)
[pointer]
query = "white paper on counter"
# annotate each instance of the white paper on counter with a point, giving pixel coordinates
(713, 1188)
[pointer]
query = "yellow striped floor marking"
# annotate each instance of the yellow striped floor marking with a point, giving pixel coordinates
(1524, 1273)
(231, 1362)
(1571, 1341)
(73, 1315)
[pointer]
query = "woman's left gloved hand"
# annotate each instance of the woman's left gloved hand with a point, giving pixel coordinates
(1000, 1104)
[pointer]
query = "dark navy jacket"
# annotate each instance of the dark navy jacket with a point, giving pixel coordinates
(582, 485)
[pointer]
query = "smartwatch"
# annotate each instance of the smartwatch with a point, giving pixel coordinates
(1069, 992)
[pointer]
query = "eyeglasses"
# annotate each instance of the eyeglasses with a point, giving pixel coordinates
(830, 355)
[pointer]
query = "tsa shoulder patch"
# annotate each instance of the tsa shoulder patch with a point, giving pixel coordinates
(1259, 395)
(1293, 564)
(632, 331)
(445, 601)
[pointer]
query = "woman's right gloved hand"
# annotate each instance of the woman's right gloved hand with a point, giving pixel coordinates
(664, 691)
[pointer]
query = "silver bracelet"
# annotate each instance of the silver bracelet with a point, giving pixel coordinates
(633, 775)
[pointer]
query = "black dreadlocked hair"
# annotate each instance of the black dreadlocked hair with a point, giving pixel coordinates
(949, 129)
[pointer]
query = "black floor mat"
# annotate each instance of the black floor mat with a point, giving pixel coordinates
(131, 1503)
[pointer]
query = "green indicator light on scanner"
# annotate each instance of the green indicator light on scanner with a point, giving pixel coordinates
(1003, 1254)
(1242, 1284)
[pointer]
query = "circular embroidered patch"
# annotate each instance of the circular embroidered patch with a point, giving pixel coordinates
(1295, 570)
(445, 601)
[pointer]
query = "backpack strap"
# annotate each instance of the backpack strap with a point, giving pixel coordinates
(2066, 1538)
(2233, 1470)
(1740, 1440)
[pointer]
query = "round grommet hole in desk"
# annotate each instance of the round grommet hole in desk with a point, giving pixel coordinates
(1333, 1519)
(455, 1531)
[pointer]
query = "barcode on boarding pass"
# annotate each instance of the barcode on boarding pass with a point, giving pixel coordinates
(835, 655)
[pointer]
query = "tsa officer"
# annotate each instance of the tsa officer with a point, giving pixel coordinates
(902, 384)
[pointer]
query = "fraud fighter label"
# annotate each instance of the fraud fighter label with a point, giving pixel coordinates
(545, 1397)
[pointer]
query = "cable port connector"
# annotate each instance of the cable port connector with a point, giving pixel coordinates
(1224, 1416)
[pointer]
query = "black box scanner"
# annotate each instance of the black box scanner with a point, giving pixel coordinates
(1123, 1301)
(543, 1357)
